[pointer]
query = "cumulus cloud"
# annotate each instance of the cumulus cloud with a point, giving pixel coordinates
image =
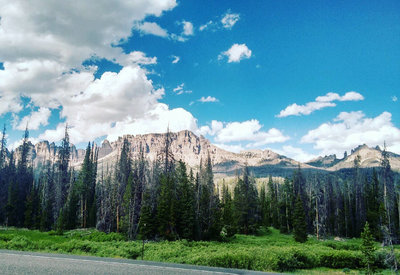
(350, 129)
(115, 97)
(229, 19)
(180, 90)
(236, 53)
(43, 46)
(208, 99)
(152, 28)
(296, 110)
(216, 126)
(295, 153)
(246, 131)
(187, 28)
(35, 119)
(319, 103)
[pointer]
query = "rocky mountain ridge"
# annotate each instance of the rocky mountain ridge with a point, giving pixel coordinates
(191, 149)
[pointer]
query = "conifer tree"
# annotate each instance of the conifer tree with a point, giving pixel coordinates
(166, 208)
(299, 222)
(185, 203)
(245, 203)
(228, 219)
(147, 224)
(368, 249)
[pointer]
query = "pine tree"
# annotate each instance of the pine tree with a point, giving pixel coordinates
(373, 213)
(166, 208)
(185, 203)
(147, 223)
(228, 219)
(368, 249)
(62, 181)
(24, 180)
(299, 222)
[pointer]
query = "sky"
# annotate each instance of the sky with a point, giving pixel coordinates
(301, 78)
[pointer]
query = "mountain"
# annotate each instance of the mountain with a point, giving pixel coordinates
(191, 149)
(324, 162)
(370, 157)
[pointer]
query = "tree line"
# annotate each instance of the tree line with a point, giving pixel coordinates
(164, 199)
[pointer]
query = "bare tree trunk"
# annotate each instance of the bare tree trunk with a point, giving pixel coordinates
(117, 219)
(317, 217)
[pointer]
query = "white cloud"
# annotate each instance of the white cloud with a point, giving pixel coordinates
(156, 121)
(229, 19)
(296, 110)
(249, 131)
(206, 25)
(236, 53)
(394, 98)
(152, 28)
(43, 45)
(319, 103)
(350, 129)
(351, 96)
(35, 119)
(208, 99)
(295, 153)
(70, 32)
(113, 98)
(187, 28)
(175, 59)
(180, 90)
(216, 126)
(139, 58)
(235, 148)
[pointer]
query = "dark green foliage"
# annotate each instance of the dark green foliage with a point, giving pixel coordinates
(299, 222)
(166, 210)
(368, 249)
(245, 204)
(228, 214)
(185, 203)
(147, 224)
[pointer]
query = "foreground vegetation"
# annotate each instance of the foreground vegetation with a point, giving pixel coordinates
(268, 251)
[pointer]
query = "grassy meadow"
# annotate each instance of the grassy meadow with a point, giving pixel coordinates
(269, 251)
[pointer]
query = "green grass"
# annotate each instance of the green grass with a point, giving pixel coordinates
(270, 251)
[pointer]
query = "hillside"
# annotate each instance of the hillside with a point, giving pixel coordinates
(191, 149)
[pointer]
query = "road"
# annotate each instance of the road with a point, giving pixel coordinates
(17, 262)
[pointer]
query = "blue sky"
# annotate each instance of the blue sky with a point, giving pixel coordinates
(301, 78)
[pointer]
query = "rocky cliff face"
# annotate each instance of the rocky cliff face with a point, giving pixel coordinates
(43, 151)
(191, 149)
(370, 157)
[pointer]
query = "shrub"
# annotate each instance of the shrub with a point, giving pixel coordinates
(341, 259)
(19, 243)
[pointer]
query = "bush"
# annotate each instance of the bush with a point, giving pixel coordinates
(19, 243)
(341, 259)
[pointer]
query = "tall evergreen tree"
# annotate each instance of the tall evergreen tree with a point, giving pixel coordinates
(368, 249)
(245, 202)
(299, 222)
